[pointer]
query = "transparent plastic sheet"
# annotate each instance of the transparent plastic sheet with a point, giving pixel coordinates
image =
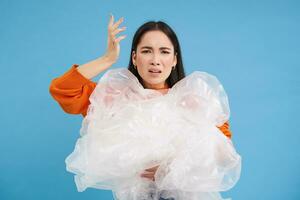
(129, 129)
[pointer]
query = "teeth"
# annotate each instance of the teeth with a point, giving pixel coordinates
(154, 71)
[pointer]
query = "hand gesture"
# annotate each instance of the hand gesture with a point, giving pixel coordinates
(113, 46)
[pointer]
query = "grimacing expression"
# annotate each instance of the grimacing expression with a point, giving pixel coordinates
(154, 59)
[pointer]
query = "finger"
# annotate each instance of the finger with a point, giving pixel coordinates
(111, 20)
(117, 23)
(147, 175)
(152, 169)
(120, 38)
(152, 178)
(115, 32)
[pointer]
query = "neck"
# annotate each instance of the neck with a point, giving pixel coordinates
(161, 86)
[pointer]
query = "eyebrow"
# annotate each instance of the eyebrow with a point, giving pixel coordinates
(148, 47)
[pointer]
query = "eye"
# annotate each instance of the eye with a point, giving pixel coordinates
(146, 51)
(165, 52)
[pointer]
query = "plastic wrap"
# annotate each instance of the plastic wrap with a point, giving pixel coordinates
(129, 129)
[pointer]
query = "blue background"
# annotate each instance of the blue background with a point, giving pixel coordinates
(253, 48)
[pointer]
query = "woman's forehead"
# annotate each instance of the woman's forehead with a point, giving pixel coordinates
(155, 39)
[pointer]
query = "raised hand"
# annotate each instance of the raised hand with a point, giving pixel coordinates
(113, 42)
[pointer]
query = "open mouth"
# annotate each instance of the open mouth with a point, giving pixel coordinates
(154, 71)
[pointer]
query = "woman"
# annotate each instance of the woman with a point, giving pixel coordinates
(155, 60)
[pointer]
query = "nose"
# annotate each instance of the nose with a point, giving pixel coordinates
(155, 59)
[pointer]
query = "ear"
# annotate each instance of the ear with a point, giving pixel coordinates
(133, 55)
(175, 60)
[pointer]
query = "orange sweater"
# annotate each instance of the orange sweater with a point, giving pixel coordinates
(72, 91)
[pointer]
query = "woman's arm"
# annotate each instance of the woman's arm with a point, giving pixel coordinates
(95, 67)
(72, 91)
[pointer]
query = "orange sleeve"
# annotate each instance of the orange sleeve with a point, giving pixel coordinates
(225, 129)
(72, 91)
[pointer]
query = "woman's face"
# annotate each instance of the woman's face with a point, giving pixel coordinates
(154, 59)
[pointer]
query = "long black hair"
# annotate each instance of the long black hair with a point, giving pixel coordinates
(178, 73)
